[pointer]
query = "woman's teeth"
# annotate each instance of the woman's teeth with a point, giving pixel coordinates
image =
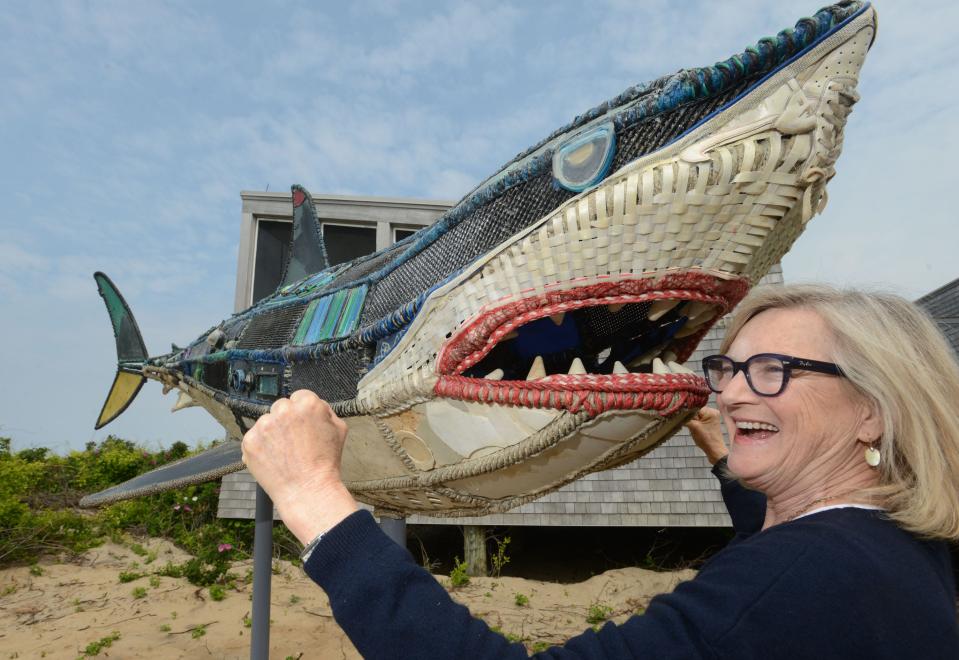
(756, 426)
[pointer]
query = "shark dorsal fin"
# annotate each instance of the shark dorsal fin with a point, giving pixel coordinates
(307, 249)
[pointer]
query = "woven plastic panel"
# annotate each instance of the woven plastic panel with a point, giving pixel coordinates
(336, 376)
(215, 375)
(489, 226)
(370, 264)
(647, 136)
(272, 329)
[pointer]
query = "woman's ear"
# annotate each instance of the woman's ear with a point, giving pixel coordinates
(871, 426)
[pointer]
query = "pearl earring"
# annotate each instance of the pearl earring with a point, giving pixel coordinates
(872, 456)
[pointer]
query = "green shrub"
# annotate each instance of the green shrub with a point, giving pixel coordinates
(39, 493)
(217, 592)
(458, 576)
(499, 558)
(598, 612)
(94, 648)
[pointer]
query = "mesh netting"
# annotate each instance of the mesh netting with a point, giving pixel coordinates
(272, 329)
(647, 136)
(489, 226)
(334, 378)
(597, 324)
(215, 374)
(370, 265)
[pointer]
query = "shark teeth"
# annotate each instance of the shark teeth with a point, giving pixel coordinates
(576, 367)
(693, 325)
(756, 426)
(495, 374)
(652, 362)
(677, 368)
(538, 370)
(674, 318)
(184, 400)
(660, 308)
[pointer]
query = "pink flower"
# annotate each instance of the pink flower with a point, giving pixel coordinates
(186, 507)
(176, 507)
(224, 547)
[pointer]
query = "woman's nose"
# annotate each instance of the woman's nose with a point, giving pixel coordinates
(736, 390)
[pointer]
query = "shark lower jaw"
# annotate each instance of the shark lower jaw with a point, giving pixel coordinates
(613, 345)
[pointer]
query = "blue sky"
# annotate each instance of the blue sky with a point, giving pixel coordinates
(128, 130)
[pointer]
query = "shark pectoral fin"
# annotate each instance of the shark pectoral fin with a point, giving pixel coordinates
(307, 248)
(208, 465)
(131, 352)
(125, 388)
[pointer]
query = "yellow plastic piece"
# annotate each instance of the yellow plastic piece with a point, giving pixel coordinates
(125, 387)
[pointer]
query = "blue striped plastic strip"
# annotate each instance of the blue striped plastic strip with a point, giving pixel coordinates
(313, 321)
(305, 322)
(324, 326)
(350, 317)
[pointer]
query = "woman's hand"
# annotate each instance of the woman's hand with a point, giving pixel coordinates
(294, 453)
(707, 431)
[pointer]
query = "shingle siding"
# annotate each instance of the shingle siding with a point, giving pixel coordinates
(943, 305)
(671, 486)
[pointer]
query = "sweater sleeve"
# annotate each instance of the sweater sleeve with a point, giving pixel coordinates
(747, 508)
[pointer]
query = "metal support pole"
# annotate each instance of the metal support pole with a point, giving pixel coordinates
(262, 575)
(395, 528)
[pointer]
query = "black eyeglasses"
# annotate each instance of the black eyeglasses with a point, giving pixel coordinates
(766, 373)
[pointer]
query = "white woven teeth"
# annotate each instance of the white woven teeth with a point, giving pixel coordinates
(576, 367)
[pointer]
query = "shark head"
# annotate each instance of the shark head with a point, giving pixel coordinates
(537, 331)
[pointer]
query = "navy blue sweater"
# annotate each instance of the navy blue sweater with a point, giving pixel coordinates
(842, 583)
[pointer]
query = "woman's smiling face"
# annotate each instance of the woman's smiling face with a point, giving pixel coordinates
(809, 431)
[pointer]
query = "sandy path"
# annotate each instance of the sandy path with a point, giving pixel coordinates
(58, 613)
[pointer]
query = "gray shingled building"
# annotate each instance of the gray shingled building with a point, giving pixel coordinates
(670, 486)
(943, 305)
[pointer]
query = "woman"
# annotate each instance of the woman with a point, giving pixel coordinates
(840, 408)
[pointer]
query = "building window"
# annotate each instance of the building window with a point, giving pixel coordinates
(272, 249)
(399, 233)
(348, 242)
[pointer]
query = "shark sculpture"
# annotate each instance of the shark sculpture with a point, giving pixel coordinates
(535, 333)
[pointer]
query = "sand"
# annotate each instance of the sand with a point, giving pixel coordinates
(70, 604)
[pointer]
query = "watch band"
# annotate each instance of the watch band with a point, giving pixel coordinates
(310, 547)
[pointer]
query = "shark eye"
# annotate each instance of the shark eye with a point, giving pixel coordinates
(585, 159)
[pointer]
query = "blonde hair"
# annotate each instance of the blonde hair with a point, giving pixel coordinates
(893, 354)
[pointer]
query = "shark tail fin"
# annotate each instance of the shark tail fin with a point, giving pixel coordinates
(131, 352)
(307, 247)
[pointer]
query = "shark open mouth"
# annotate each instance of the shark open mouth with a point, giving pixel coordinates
(605, 346)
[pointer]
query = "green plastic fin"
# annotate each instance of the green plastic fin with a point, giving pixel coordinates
(307, 249)
(125, 388)
(131, 352)
(130, 346)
